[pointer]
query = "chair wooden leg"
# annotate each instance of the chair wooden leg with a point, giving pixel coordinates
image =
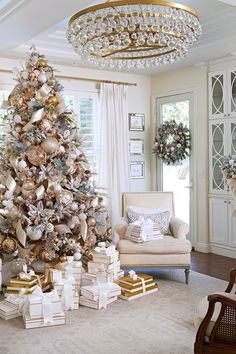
(187, 271)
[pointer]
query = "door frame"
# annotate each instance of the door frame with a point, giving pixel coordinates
(189, 93)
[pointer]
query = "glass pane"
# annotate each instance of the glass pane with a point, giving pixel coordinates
(177, 178)
(217, 156)
(233, 138)
(217, 94)
(70, 104)
(218, 138)
(233, 92)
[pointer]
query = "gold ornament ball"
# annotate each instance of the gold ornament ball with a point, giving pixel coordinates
(50, 145)
(28, 185)
(9, 245)
(63, 258)
(53, 101)
(41, 63)
(36, 156)
(91, 221)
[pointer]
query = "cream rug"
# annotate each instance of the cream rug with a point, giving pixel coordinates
(161, 323)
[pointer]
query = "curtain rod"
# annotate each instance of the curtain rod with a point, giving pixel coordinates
(85, 79)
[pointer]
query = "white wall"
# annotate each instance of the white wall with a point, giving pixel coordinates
(138, 101)
(192, 79)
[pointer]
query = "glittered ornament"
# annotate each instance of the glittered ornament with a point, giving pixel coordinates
(34, 233)
(53, 100)
(65, 197)
(22, 165)
(46, 256)
(36, 155)
(74, 206)
(28, 187)
(50, 227)
(41, 63)
(46, 124)
(77, 256)
(50, 145)
(9, 245)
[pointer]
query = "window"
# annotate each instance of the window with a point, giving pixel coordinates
(86, 107)
(3, 114)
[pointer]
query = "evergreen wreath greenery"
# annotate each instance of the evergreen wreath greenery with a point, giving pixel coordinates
(172, 143)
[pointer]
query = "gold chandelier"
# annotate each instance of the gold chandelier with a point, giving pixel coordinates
(133, 34)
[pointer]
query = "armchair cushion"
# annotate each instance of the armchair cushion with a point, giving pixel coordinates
(178, 228)
(167, 245)
(202, 308)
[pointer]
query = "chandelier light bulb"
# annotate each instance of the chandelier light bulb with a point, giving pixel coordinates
(133, 34)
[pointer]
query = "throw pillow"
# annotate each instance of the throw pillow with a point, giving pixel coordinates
(160, 217)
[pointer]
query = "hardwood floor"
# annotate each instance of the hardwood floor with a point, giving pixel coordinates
(212, 264)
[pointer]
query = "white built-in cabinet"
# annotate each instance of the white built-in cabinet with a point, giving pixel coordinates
(222, 142)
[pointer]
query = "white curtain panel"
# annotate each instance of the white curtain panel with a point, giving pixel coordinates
(114, 168)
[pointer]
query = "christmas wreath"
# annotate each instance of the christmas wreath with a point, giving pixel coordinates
(172, 143)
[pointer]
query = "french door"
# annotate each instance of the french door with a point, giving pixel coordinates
(179, 178)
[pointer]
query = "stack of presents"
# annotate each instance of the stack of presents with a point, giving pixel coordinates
(43, 300)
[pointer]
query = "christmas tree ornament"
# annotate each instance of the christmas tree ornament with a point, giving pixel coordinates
(50, 145)
(53, 100)
(18, 266)
(41, 63)
(9, 245)
(36, 155)
(34, 233)
(63, 258)
(74, 206)
(46, 124)
(46, 256)
(28, 187)
(91, 221)
(50, 227)
(22, 165)
(77, 256)
(42, 78)
(65, 197)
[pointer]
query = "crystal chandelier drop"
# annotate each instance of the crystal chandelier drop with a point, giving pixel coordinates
(133, 34)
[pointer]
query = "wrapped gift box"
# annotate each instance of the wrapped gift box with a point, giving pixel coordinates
(95, 291)
(17, 285)
(94, 268)
(105, 255)
(9, 310)
(59, 319)
(68, 293)
(95, 304)
(35, 304)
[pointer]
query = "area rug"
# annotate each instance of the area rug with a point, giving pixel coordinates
(161, 323)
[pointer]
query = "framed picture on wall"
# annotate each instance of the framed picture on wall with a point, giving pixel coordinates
(136, 169)
(136, 146)
(136, 121)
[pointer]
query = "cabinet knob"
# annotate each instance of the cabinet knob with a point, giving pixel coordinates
(229, 202)
(225, 201)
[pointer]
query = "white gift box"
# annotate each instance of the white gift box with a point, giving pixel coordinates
(95, 291)
(95, 304)
(9, 310)
(94, 268)
(36, 304)
(59, 319)
(68, 293)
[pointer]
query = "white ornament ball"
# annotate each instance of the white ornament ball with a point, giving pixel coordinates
(22, 165)
(82, 216)
(94, 203)
(82, 206)
(34, 234)
(57, 188)
(42, 78)
(50, 145)
(17, 118)
(231, 162)
(62, 149)
(77, 256)
(74, 206)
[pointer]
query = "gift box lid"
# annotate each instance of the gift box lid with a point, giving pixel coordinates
(129, 280)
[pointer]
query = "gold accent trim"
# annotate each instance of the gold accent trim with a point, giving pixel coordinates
(134, 84)
(133, 2)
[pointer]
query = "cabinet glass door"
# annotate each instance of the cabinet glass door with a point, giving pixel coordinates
(217, 94)
(217, 153)
(232, 93)
(232, 135)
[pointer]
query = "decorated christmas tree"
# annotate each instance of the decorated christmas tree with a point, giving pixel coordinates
(48, 205)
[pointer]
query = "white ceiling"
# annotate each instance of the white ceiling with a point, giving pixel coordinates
(43, 23)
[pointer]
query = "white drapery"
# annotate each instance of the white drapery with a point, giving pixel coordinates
(114, 168)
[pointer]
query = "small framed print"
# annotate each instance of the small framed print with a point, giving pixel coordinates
(137, 169)
(136, 121)
(136, 146)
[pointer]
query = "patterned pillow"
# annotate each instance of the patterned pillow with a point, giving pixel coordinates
(162, 218)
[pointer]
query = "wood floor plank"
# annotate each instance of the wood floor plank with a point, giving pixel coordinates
(212, 264)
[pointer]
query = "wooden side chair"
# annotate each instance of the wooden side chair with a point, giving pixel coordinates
(217, 326)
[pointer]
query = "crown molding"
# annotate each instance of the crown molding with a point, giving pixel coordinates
(10, 7)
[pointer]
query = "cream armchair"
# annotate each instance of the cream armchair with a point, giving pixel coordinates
(173, 251)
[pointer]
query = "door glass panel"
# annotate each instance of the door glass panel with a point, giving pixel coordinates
(177, 178)
(217, 95)
(217, 156)
(233, 138)
(233, 91)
